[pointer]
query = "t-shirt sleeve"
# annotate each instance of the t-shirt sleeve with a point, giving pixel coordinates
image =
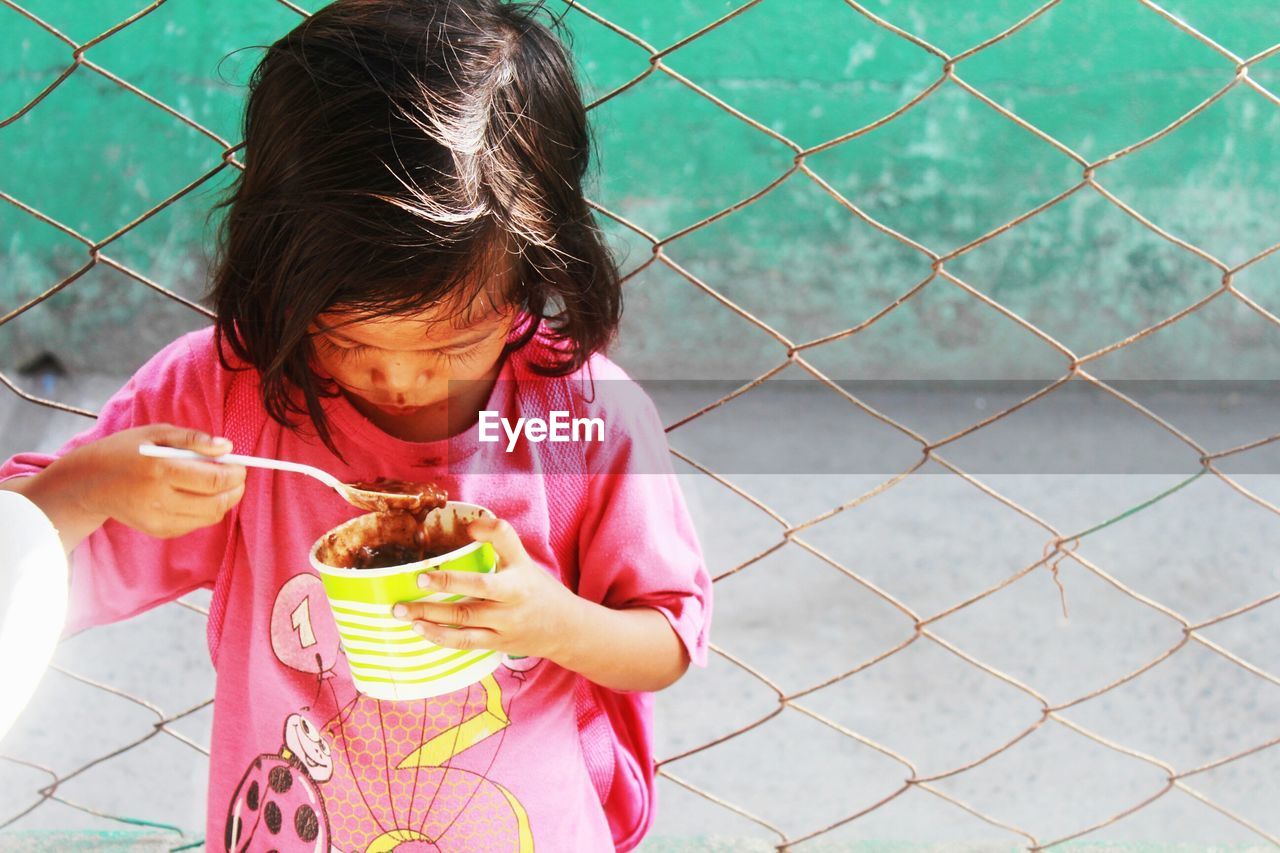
(637, 545)
(118, 572)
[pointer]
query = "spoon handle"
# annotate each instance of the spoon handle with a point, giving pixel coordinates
(161, 452)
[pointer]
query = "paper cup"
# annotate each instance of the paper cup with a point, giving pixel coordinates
(388, 659)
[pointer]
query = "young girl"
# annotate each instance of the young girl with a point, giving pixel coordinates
(407, 247)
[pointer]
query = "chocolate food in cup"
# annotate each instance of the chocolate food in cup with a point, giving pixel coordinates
(389, 539)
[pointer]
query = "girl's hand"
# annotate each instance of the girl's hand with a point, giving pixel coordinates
(521, 609)
(162, 497)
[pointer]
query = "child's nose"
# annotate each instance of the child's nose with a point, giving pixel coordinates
(399, 376)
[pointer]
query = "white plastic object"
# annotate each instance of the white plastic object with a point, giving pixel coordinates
(162, 452)
(33, 600)
(363, 498)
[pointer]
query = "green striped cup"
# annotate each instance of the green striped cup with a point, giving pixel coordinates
(388, 659)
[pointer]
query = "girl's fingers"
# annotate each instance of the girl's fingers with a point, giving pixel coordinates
(463, 614)
(473, 584)
(457, 638)
(503, 537)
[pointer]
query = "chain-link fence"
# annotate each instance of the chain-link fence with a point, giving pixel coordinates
(899, 776)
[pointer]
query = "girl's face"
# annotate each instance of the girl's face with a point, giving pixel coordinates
(396, 370)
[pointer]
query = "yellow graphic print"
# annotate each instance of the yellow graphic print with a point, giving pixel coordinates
(391, 840)
(447, 744)
(526, 835)
(377, 803)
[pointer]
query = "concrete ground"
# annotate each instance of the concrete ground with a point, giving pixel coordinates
(930, 542)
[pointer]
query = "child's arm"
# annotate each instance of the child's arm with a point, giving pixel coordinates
(108, 478)
(634, 649)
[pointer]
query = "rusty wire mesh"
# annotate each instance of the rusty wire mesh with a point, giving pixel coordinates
(1059, 545)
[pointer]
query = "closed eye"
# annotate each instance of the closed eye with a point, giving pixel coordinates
(462, 354)
(353, 351)
(344, 353)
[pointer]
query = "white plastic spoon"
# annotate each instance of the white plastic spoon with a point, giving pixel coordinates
(354, 495)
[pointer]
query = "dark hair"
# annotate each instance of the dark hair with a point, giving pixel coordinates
(392, 148)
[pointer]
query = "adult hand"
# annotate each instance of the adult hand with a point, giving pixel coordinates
(161, 497)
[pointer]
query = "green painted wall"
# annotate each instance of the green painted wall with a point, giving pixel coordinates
(1096, 74)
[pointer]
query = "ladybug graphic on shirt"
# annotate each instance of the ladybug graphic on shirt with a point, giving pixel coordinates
(277, 805)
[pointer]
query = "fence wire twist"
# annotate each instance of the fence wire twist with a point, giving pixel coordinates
(1059, 545)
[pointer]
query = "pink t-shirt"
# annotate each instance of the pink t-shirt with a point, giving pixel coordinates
(300, 760)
